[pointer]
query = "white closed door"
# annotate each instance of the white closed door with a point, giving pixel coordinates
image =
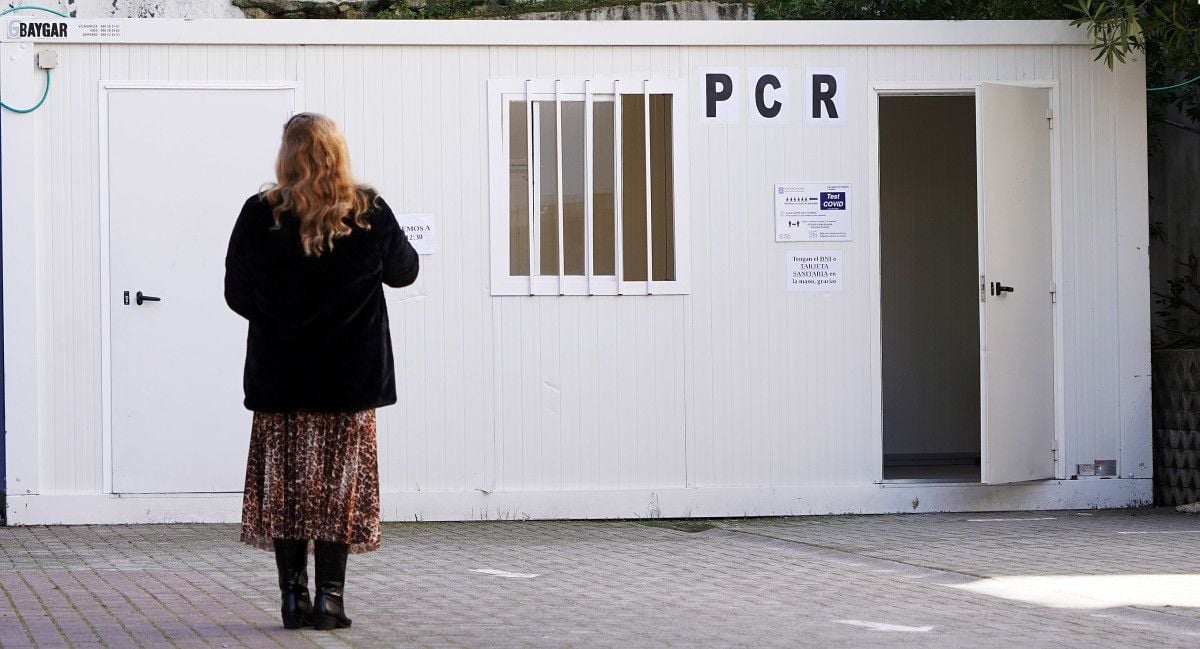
(181, 161)
(1016, 282)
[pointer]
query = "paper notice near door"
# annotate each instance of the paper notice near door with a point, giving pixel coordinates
(812, 212)
(420, 232)
(811, 271)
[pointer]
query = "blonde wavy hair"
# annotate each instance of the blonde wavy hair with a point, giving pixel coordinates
(314, 184)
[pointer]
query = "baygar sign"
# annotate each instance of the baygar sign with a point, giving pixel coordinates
(37, 29)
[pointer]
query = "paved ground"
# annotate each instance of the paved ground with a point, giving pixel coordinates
(1030, 579)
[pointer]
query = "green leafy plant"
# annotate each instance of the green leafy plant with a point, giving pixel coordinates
(1178, 311)
(912, 10)
(1115, 28)
(1168, 31)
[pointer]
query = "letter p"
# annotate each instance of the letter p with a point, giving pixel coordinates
(718, 87)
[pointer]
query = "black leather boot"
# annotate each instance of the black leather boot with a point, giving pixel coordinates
(328, 610)
(291, 559)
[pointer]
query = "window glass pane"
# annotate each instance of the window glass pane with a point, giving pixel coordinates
(633, 187)
(547, 187)
(604, 233)
(662, 188)
(572, 180)
(518, 192)
(632, 161)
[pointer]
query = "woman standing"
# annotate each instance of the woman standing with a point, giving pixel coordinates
(306, 265)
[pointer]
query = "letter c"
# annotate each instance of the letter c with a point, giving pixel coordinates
(760, 89)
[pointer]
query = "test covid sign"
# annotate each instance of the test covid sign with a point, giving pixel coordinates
(833, 200)
(813, 212)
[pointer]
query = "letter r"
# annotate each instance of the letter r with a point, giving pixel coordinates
(824, 87)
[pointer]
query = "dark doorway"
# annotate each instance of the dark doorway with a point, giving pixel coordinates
(929, 258)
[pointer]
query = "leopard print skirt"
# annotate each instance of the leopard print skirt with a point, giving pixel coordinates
(314, 476)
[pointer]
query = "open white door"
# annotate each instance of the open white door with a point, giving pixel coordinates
(1016, 277)
(180, 163)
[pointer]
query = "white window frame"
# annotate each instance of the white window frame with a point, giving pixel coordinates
(502, 91)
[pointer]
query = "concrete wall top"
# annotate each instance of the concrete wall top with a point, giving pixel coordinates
(490, 32)
(111, 9)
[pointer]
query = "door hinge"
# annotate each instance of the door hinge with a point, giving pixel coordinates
(1054, 451)
(1053, 293)
(1050, 119)
(982, 288)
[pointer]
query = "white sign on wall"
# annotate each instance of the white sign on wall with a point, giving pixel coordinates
(814, 271)
(813, 212)
(824, 101)
(420, 232)
(719, 95)
(767, 98)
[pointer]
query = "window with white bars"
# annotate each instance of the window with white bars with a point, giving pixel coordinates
(588, 194)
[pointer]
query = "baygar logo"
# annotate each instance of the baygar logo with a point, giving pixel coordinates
(38, 30)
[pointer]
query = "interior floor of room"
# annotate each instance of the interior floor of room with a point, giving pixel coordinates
(932, 473)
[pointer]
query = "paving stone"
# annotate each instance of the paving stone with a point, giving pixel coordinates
(856, 581)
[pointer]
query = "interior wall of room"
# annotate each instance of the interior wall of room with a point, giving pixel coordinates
(929, 262)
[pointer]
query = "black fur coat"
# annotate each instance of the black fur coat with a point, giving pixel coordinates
(318, 336)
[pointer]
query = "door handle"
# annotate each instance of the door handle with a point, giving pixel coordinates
(139, 298)
(1002, 289)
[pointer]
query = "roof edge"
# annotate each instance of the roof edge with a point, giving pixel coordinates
(551, 33)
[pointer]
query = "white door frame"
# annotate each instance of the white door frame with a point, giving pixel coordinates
(962, 88)
(105, 259)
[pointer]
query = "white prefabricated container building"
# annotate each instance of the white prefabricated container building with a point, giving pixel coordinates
(668, 269)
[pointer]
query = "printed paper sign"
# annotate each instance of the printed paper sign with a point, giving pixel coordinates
(824, 103)
(811, 271)
(812, 212)
(767, 100)
(719, 97)
(420, 232)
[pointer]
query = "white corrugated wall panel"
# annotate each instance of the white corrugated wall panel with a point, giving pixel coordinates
(1090, 304)
(414, 113)
(1130, 188)
(68, 274)
(589, 390)
(780, 386)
